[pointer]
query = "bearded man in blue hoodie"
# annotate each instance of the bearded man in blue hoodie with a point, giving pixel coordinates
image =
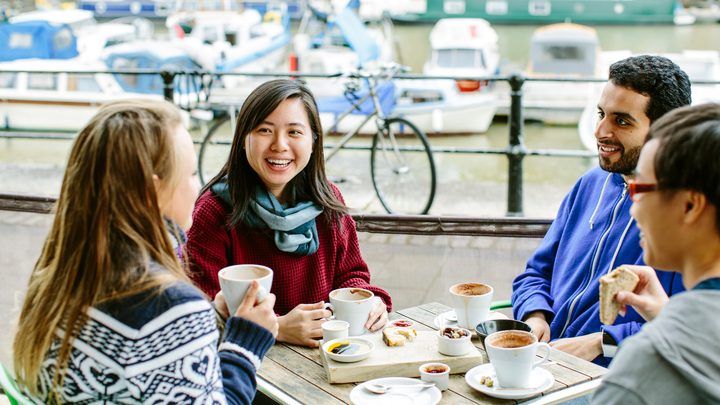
(593, 232)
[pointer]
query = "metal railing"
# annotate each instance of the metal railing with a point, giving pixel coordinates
(388, 224)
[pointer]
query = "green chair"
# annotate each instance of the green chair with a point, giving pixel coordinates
(500, 304)
(10, 388)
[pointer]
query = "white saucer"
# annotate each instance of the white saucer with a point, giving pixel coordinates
(449, 319)
(410, 396)
(540, 380)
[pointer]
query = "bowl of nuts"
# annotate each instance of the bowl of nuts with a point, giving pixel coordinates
(454, 341)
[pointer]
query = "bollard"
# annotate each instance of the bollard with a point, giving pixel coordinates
(516, 148)
(168, 79)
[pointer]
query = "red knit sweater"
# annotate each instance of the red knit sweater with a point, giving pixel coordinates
(296, 279)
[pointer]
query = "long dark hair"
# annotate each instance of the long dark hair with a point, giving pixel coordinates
(311, 184)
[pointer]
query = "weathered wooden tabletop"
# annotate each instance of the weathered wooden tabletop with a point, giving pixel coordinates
(298, 371)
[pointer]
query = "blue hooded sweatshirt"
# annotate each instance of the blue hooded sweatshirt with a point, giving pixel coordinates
(592, 234)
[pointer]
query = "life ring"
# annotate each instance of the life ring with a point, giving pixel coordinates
(272, 17)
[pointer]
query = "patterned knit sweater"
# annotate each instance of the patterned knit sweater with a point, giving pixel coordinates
(297, 279)
(159, 348)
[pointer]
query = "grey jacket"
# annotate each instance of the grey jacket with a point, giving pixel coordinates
(675, 359)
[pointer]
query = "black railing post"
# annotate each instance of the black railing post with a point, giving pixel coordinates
(516, 148)
(168, 79)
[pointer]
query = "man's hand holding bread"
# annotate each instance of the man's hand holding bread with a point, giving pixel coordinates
(633, 285)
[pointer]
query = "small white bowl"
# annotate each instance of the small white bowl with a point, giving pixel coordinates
(454, 347)
(361, 349)
(438, 373)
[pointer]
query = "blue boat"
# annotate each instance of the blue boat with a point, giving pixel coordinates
(149, 55)
(37, 39)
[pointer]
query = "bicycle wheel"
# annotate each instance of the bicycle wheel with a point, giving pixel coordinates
(215, 149)
(402, 168)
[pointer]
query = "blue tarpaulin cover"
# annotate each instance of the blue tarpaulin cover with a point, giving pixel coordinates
(339, 104)
(36, 39)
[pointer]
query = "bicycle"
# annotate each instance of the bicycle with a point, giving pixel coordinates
(402, 167)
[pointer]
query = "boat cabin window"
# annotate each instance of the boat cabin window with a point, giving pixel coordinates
(564, 59)
(82, 82)
(496, 7)
(564, 52)
(7, 80)
(460, 58)
(42, 81)
(210, 35)
(62, 39)
(20, 40)
(126, 63)
(539, 7)
(231, 37)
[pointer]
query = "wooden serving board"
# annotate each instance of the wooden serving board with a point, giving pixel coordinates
(398, 361)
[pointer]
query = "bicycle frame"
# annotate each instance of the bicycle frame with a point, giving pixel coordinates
(377, 113)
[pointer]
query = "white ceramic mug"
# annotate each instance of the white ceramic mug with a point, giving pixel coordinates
(235, 281)
(512, 354)
(352, 305)
(438, 373)
(335, 329)
(471, 302)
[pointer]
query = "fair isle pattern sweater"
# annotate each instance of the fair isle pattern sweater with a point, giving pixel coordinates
(159, 348)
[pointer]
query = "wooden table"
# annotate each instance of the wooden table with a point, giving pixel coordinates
(293, 374)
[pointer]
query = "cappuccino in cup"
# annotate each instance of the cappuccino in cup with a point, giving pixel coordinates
(235, 281)
(512, 354)
(471, 302)
(352, 305)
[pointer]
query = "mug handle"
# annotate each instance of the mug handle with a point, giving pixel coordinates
(546, 357)
(330, 308)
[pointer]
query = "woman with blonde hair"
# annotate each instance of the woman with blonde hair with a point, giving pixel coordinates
(110, 315)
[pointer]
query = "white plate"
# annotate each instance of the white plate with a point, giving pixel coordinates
(449, 318)
(365, 347)
(410, 396)
(540, 380)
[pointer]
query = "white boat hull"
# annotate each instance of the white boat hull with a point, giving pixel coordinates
(553, 103)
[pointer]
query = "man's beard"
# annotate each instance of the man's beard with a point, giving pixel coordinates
(627, 163)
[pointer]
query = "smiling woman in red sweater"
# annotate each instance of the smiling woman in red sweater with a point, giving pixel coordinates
(272, 204)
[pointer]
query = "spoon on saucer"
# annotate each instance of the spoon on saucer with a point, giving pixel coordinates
(382, 388)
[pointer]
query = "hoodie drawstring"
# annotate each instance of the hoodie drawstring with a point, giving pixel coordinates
(597, 206)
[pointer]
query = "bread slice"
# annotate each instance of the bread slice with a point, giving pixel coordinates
(394, 336)
(620, 279)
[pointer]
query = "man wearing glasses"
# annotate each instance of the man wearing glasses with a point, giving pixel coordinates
(593, 233)
(676, 195)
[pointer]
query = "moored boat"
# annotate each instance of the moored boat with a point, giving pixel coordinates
(33, 99)
(561, 50)
(538, 11)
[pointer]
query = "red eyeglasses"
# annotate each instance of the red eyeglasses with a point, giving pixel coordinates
(636, 188)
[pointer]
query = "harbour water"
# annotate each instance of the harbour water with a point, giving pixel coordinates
(468, 184)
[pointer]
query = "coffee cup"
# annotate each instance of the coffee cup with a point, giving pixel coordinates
(235, 281)
(471, 302)
(437, 373)
(334, 329)
(512, 354)
(352, 305)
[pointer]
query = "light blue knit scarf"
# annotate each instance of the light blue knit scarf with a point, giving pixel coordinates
(295, 227)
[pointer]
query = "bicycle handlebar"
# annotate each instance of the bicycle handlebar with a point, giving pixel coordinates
(378, 70)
